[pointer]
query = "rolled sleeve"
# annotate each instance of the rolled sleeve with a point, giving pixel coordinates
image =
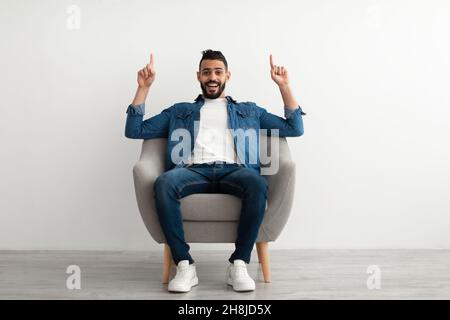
(136, 110)
(288, 111)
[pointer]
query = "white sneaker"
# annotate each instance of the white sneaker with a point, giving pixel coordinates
(185, 279)
(238, 278)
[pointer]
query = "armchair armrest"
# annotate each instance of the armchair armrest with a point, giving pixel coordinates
(280, 197)
(145, 173)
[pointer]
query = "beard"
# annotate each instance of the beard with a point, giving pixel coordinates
(212, 94)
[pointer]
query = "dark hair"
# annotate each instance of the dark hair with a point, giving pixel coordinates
(213, 55)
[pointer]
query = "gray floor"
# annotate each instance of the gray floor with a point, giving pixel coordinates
(296, 274)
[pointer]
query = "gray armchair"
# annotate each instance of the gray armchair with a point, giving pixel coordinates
(213, 218)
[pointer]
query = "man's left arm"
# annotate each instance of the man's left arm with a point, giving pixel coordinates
(292, 125)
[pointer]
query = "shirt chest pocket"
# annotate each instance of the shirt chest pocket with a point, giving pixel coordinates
(183, 118)
(247, 119)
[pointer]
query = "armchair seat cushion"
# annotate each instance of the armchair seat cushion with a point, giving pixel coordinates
(210, 207)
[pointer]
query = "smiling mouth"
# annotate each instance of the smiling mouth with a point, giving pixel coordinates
(212, 86)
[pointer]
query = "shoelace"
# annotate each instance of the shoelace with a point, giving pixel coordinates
(181, 272)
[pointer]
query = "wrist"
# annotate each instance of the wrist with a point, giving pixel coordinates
(143, 88)
(284, 86)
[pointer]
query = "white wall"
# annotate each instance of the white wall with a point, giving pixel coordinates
(373, 164)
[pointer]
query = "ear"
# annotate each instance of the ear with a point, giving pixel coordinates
(228, 75)
(198, 76)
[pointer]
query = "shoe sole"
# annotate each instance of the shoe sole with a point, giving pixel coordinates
(230, 283)
(193, 284)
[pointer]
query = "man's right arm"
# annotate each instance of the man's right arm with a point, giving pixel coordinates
(154, 127)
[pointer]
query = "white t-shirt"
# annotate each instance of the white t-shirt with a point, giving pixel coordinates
(214, 140)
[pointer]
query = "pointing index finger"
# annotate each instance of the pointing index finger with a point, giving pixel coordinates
(151, 59)
(271, 61)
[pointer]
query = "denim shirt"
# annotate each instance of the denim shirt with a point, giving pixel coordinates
(183, 117)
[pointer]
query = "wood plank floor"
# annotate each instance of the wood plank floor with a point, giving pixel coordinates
(296, 274)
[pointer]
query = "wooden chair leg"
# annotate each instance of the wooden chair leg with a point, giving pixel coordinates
(167, 264)
(263, 256)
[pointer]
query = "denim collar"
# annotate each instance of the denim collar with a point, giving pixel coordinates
(200, 98)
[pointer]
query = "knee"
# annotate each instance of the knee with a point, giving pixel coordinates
(164, 183)
(257, 184)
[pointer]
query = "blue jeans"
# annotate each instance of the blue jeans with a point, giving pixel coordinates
(215, 177)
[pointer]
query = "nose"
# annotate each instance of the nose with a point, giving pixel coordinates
(212, 78)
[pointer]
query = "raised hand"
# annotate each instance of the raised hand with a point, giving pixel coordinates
(147, 75)
(279, 74)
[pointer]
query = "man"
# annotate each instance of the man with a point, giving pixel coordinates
(216, 159)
